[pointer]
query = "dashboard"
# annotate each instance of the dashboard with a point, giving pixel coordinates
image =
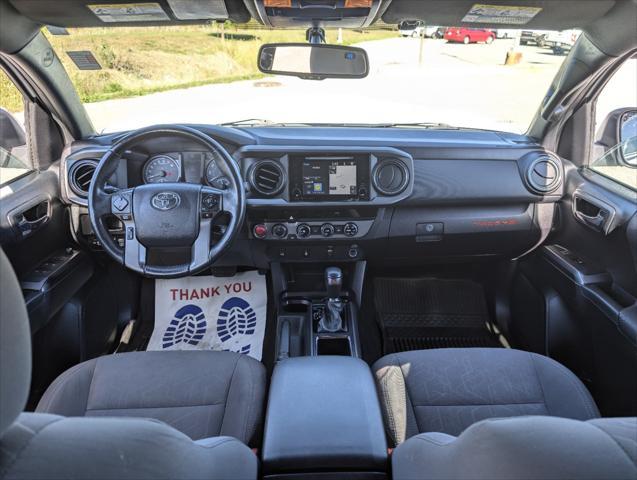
(346, 194)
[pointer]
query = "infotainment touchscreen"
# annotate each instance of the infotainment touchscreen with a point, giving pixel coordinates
(329, 177)
(335, 177)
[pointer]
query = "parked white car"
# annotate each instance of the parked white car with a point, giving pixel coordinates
(417, 28)
(561, 42)
(506, 33)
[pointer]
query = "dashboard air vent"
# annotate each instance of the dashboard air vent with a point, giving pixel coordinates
(81, 175)
(543, 175)
(391, 177)
(267, 177)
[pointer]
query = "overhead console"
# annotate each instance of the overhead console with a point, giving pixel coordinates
(332, 13)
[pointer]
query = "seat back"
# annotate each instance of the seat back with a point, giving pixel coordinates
(523, 448)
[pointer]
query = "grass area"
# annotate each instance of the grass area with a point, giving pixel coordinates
(138, 61)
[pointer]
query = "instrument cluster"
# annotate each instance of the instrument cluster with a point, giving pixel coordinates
(191, 167)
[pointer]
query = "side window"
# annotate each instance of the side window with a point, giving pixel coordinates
(14, 154)
(615, 147)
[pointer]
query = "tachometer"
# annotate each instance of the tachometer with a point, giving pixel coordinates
(162, 169)
(215, 177)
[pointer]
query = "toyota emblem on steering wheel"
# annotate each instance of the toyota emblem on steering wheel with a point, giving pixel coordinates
(165, 201)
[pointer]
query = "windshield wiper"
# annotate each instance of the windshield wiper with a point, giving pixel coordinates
(260, 122)
(247, 122)
(444, 126)
(254, 122)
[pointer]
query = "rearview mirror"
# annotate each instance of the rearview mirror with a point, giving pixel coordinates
(313, 61)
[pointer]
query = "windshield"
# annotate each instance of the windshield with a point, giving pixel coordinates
(487, 79)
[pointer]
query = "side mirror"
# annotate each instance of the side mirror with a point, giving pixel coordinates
(618, 133)
(11, 133)
(313, 61)
(628, 137)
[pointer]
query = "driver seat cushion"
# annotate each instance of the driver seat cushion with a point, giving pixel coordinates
(447, 390)
(200, 393)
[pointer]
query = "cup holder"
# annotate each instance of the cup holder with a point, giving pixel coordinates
(333, 346)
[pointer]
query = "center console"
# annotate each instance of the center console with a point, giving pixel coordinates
(317, 309)
(323, 421)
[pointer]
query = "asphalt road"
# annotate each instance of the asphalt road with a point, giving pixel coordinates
(462, 85)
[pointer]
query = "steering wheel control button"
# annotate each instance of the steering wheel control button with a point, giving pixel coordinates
(260, 231)
(280, 230)
(130, 233)
(350, 229)
(303, 230)
(120, 204)
(209, 202)
(327, 229)
(209, 205)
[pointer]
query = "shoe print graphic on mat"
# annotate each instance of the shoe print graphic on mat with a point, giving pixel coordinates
(188, 326)
(236, 317)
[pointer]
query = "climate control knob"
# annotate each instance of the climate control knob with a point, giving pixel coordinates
(327, 229)
(350, 229)
(303, 230)
(280, 230)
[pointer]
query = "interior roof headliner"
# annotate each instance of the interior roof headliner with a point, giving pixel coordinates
(554, 14)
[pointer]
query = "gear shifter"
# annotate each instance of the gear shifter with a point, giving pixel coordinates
(331, 320)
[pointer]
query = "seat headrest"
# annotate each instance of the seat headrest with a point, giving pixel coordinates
(15, 347)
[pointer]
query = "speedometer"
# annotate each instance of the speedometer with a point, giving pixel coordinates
(162, 169)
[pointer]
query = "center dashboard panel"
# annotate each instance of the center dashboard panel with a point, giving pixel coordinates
(326, 176)
(321, 201)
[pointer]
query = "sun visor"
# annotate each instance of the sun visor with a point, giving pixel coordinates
(100, 13)
(527, 14)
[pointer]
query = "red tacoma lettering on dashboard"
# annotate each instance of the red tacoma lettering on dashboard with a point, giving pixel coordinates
(495, 223)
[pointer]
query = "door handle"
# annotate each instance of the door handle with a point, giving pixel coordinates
(592, 212)
(597, 221)
(30, 219)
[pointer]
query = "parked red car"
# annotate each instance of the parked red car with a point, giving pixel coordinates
(469, 35)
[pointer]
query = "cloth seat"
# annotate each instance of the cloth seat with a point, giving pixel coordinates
(447, 390)
(40, 445)
(523, 448)
(200, 393)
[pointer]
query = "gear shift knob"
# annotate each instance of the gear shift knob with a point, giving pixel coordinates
(333, 282)
(331, 320)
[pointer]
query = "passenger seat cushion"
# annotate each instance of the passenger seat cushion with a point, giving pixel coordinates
(447, 390)
(522, 448)
(200, 393)
(53, 447)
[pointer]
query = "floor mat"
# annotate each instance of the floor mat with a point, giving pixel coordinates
(421, 313)
(211, 313)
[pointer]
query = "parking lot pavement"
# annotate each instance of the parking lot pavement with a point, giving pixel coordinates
(462, 85)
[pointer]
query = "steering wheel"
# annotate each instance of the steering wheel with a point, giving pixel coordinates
(166, 215)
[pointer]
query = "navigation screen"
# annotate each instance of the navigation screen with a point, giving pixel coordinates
(329, 176)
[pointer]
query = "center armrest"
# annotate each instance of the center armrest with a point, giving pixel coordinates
(323, 416)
